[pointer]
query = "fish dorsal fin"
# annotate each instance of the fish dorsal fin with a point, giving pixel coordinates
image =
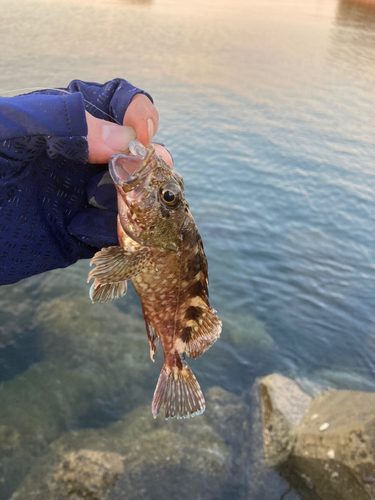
(115, 265)
(202, 328)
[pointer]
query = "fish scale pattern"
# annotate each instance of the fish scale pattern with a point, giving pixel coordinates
(44, 173)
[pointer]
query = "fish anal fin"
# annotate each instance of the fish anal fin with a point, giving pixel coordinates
(107, 292)
(178, 392)
(115, 264)
(202, 329)
(152, 337)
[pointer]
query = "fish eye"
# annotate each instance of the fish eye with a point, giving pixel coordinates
(170, 194)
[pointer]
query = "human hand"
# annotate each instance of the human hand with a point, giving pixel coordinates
(96, 226)
(105, 138)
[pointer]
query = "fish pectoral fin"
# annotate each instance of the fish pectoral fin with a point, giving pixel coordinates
(114, 264)
(107, 292)
(178, 392)
(203, 328)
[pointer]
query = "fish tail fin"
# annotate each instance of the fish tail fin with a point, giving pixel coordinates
(178, 392)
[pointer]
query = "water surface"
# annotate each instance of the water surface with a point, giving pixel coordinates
(268, 110)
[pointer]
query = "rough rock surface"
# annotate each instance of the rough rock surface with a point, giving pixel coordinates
(264, 482)
(193, 458)
(15, 305)
(87, 474)
(247, 332)
(283, 406)
(335, 446)
(85, 364)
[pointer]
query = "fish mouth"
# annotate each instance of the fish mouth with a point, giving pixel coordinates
(130, 174)
(128, 171)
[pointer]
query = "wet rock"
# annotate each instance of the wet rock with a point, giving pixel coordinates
(228, 415)
(14, 465)
(92, 355)
(84, 474)
(246, 331)
(74, 328)
(9, 438)
(335, 447)
(160, 459)
(263, 481)
(87, 474)
(89, 354)
(283, 406)
(14, 313)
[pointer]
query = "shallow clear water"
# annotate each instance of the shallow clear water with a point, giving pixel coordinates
(268, 110)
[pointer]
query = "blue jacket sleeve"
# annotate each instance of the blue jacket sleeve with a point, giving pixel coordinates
(44, 172)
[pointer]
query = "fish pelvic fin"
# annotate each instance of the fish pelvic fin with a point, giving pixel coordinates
(203, 328)
(105, 293)
(178, 392)
(115, 265)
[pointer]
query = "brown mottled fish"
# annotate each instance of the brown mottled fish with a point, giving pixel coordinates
(161, 252)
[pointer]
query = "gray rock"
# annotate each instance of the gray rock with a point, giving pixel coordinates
(263, 482)
(87, 474)
(91, 354)
(228, 415)
(246, 331)
(160, 459)
(84, 474)
(15, 306)
(283, 406)
(9, 438)
(335, 446)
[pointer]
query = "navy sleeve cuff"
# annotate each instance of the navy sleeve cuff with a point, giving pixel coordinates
(108, 101)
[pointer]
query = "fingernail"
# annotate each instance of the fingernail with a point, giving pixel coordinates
(117, 137)
(150, 128)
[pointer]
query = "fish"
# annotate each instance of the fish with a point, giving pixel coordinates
(161, 252)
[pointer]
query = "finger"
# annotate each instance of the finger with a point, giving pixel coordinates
(164, 153)
(143, 117)
(105, 139)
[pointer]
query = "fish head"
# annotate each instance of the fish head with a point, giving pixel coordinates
(151, 201)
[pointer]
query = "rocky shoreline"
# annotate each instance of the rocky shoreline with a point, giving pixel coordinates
(328, 441)
(316, 445)
(77, 424)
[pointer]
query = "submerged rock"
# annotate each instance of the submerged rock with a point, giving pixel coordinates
(335, 446)
(246, 331)
(263, 482)
(91, 356)
(9, 438)
(284, 405)
(87, 474)
(160, 459)
(15, 305)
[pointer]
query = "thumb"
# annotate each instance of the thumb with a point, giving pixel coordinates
(106, 138)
